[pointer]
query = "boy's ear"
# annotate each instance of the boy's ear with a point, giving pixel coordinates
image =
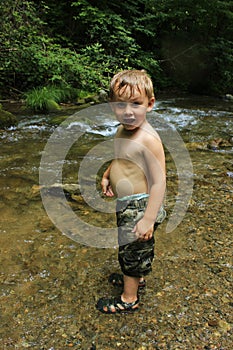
(151, 104)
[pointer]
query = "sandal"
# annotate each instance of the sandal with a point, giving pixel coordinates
(116, 305)
(117, 280)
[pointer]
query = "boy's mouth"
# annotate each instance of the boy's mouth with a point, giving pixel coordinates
(129, 121)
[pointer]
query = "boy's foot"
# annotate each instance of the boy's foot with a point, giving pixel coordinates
(116, 305)
(117, 280)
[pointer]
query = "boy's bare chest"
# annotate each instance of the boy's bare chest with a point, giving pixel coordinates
(128, 149)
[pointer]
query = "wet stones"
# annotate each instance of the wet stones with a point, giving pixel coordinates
(214, 144)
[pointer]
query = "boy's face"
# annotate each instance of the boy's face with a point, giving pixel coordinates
(130, 107)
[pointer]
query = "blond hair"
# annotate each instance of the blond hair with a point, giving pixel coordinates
(132, 79)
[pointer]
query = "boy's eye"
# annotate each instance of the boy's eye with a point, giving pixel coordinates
(121, 104)
(136, 104)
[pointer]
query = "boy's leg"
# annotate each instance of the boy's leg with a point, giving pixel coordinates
(130, 292)
(117, 280)
(135, 258)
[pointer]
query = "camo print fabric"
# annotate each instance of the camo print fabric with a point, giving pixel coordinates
(135, 257)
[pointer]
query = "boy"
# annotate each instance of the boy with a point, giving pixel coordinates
(137, 177)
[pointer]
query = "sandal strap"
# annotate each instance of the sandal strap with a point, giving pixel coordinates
(125, 305)
(114, 305)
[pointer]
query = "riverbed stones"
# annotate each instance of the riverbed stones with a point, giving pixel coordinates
(214, 144)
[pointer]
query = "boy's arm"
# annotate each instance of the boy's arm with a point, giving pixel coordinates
(105, 183)
(156, 177)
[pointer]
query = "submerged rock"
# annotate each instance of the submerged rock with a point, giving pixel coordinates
(71, 189)
(211, 144)
(218, 143)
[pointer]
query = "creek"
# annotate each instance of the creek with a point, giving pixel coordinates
(50, 279)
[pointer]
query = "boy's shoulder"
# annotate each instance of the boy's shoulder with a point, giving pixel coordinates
(150, 133)
(145, 135)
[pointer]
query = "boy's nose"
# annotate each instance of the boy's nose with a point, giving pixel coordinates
(128, 109)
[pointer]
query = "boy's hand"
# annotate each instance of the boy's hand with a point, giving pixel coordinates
(106, 187)
(144, 230)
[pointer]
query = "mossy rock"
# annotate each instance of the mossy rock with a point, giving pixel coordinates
(7, 119)
(52, 106)
(57, 120)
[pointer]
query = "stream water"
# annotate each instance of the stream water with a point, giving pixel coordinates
(49, 283)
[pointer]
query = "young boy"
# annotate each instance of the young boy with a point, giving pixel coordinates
(137, 178)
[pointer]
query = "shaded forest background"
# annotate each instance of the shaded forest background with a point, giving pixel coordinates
(78, 45)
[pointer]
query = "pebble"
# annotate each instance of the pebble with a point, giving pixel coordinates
(224, 326)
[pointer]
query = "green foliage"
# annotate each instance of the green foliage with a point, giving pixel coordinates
(195, 43)
(221, 79)
(47, 98)
(29, 59)
(82, 43)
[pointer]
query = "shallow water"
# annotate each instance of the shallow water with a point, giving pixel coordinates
(49, 283)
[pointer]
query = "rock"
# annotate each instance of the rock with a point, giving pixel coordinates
(80, 101)
(218, 143)
(52, 106)
(103, 96)
(35, 192)
(228, 97)
(69, 188)
(213, 323)
(224, 326)
(72, 189)
(88, 99)
(57, 120)
(46, 225)
(76, 198)
(7, 119)
(212, 144)
(193, 146)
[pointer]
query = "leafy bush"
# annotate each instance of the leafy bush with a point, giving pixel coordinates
(82, 43)
(47, 98)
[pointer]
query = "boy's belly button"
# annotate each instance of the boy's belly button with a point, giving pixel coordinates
(124, 187)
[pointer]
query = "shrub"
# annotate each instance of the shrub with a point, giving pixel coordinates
(47, 98)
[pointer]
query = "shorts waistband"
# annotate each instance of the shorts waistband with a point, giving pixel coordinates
(136, 196)
(134, 201)
(139, 201)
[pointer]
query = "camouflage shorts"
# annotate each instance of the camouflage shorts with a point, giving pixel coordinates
(135, 257)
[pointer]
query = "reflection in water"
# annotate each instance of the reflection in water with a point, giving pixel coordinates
(49, 283)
